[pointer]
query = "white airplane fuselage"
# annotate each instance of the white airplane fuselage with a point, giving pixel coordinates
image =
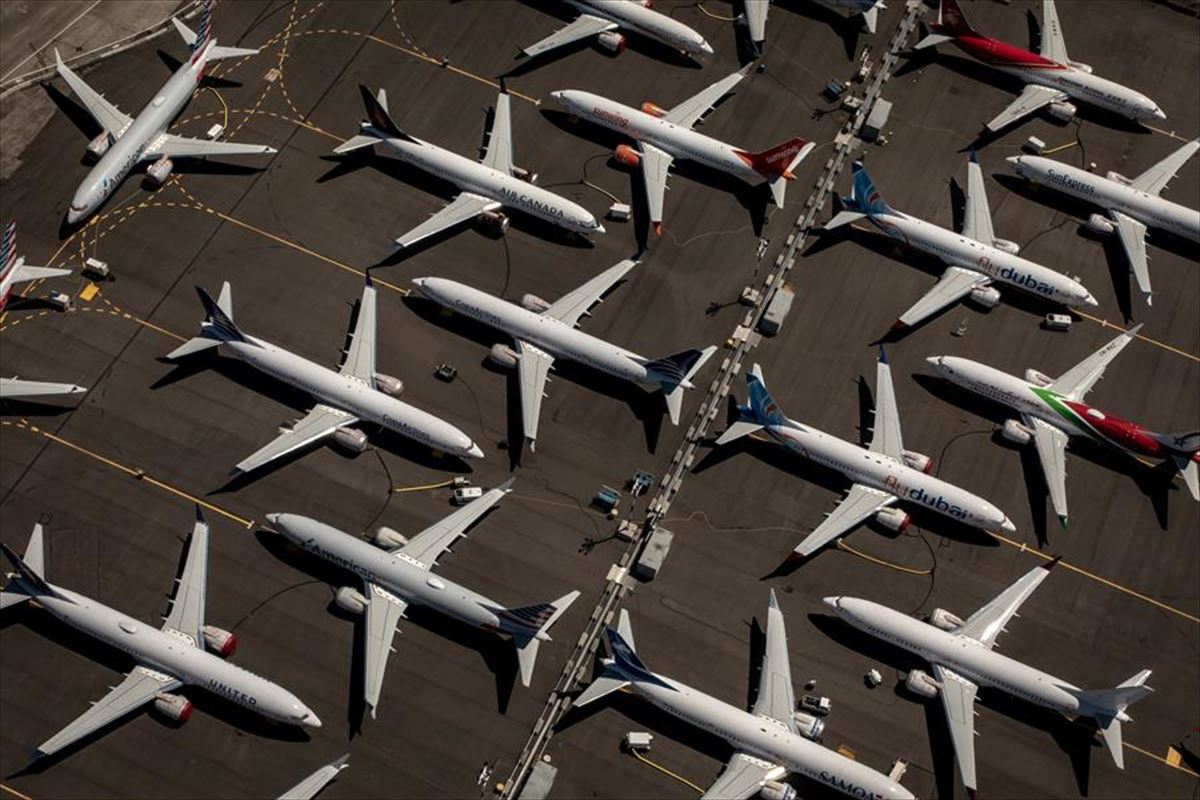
(1088, 88)
(637, 17)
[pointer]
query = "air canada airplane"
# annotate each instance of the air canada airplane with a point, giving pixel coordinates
(603, 18)
(14, 270)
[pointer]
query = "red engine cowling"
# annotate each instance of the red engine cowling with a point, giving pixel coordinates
(653, 109)
(918, 461)
(220, 641)
(612, 42)
(893, 519)
(626, 155)
(173, 706)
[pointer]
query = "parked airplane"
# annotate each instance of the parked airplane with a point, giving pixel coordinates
(545, 331)
(770, 740)
(884, 473)
(663, 136)
(126, 141)
(1052, 410)
(1051, 77)
(962, 659)
(14, 270)
(312, 784)
(17, 388)
(353, 395)
(975, 259)
(603, 18)
(1132, 204)
(754, 15)
(167, 658)
(397, 572)
(487, 185)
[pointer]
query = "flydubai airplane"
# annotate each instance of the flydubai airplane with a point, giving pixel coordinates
(14, 270)
(1052, 79)
(662, 136)
(603, 18)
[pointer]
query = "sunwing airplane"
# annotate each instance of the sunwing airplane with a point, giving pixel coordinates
(663, 136)
(168, 658)
(487, 185)
(127, 141)
(14, 270)
(1051, 77)
(975, 259)
(398, 572)
(1052, 410)
(603, 18)
(963, 660)
(545, 331)
(754, 15)
(769, 740)
(353, 395)
(17, 388)
(884, 473)
(1132, 204)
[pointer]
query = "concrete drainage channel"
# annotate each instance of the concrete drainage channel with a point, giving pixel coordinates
(649, 536)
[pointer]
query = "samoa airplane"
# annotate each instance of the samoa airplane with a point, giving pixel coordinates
(975, 258)
(962, 657)
(883, 473)
(604, 18)
(14, 270)
(770, 741)
(185, 651)
(397, 572)
(127, 141)
(1133, 204)
(486, 186)
(754, 15)
(542, 332)
(355, 394)
(1052, 410)
(1052, 79)
(662, 136)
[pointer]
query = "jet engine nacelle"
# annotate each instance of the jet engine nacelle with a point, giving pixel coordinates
(494, 222)
(1038, 378)
(531, 302)
(941, 618)
(524, 174)
(893, 519)
(1063, 112)
(350, 439)
(809, 726)
(612, 42)
(653, 109)
(218, 640)
(1015, 432)
(986, 296)
(1007, 245)
(389, 385)
(626, 155)
(388, 538)
(351, 600)
(1098, 223)
(1082, 67)
(921, 683)
(1117, 177)
(777, 790)
(160, 170)
(173, 706)
(918, 461)
(503, 355)
(647, 3)
(99, 146)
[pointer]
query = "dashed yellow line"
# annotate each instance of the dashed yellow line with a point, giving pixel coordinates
(1160, 759)
(1103, 323)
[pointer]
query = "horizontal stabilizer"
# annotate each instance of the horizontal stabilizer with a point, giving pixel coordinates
(932, 40)
(606, 683)
(1189, 469)
(737, 430)
(843, 218)
(216, 52)
(532, 625)
(674, 373)
(356, 143)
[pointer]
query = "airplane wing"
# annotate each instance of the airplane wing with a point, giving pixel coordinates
(1030, 100)
(384, 611)
(139, 687)
(462, 208)
(26, 273)
(687, 113)
(755, 12)
(533, 365)
(172, 146)
(314, 783)
(1132, 235)
(977, 221)
(955, 283)
(499, 144)
(1155, 179)
(886, 438)
(855, 508)
(743, 777)
(656, 165)
(988, 622)
(12, 388)
(958, 701)
(1054, 47)
(776, 698)
(187, 606)
(322, 421)
(429, 544)
(1051, 444)
(583, 27)
(360, 358)
(575, 304)
(1079, 379)
(109, 117)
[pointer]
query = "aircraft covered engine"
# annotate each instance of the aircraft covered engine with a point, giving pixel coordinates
(350, 439)
(99, 146)
(612, 42)
(919, 682)
(918, 461)
(173, 706)
(532, 302)
(986, 296)
(626, 155)
(524, 174)
(1062, 111)
(218, 640)
(389, 385)
(809, 726)
(653, 109)
(777, 790)
(647, 3)
(350, 599)
(160, 170)
(1082, 67)
(503, 355)
(1098, 223)
(1038, 378)
(388, 538)
(893, 519)
(494, 222)
(1007, 245)
(1015, 432)
(941, 618)
(1117, 177)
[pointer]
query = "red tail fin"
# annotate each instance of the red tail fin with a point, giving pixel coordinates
(951, 20)
(773, 163)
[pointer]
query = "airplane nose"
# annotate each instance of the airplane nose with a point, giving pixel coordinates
(706, 48)
(475, 452)
(599, 228)
(934, 361)
(311, 720)
(559, 96)
(1091, 301)
(1014, 160)
(832, 602)
(273, 518)
(1159, 115)
(1007, 526)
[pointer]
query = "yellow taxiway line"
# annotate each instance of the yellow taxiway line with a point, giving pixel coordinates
(666, 771)
(15, 793)
(1162, 760)
(1103, 323)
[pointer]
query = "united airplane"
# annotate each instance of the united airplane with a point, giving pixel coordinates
(663, 136)
(14, 270)
(769, 740)
(975, 259)
(1132, 205)
(356, 394)
(1051, 78)
(397, 572)
(1052, 411)
(961, 654)
(486, 186)
(883, 473)
(544, 331)
(604, 18)
(127, 141)
(183, 652)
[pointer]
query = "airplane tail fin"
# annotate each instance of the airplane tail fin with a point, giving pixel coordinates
(378, 124)
(28, 581)
(777, 161)
(8, 248)
(626, 665)
(529, 625)
(198, 39)
(611, 679)
(951, 24)
(674, 374)
(1185, 454)
(1108, 706)
(759, 411)
(864, 200)
(217, 327)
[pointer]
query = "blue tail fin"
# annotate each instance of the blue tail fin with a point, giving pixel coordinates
(865, 197)
(218, 322)
(627, 662)
(760, 405)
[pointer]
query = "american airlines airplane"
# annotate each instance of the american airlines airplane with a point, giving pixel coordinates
(1052, 410)
(126, 141)
(542, 332)
(1133, 204)
(397, 572)
(487, 185)
(975, 258)
(883, 474)
(14, 270)
(1052, 79)
(662, 136)
(166, 659)
(961, 654)
(20, 389)
(754, 15)
(770, 741)
(354, 395)
(603, 18)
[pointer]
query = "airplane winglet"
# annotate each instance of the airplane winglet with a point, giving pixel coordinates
(883, 359)
(503, 86)
(200, 515)
(973, 156)
(507, 485)
(1052, 563)
(898, 325)
(772, 602)
(370, 283)
(1062, 520)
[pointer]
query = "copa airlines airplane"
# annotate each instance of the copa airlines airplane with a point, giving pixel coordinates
(1051, 77)
(603, 18)
(398, 572)
(663, 136)
(1052, 410)
(353, 395)
(166, 659)
(975, 259)
(1133, 205)
(488, 185)
(545, 331)
(770, 740)
(884, 473)
(127, 141)
(962, 658)
(14, 270)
